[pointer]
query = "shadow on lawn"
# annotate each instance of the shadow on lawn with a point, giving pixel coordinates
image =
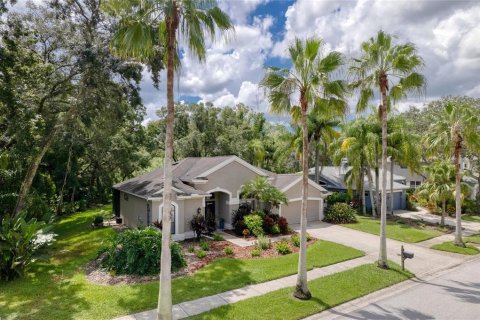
(397, 314)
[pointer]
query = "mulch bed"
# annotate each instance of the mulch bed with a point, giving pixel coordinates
(252, 238)
(96, 274)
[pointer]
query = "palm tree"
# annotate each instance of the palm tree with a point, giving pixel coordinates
(440, 184)
(454, 130)
(403, 147)
(311, 78)
(144, 26)
(263, 191)
(392, 69)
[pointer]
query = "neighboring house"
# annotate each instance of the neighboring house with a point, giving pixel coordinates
(210, 186)
(412, 179)
(333, 179)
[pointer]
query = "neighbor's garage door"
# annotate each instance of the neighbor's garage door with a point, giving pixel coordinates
(292, 211)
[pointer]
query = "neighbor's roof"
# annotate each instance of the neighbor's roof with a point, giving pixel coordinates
(184, 172)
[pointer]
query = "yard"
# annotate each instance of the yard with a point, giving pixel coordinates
(472, 246)
(398, 229)
(58, 289)
(472, 218)
(327, 292)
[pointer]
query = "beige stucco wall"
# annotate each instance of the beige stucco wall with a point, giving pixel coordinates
(133, 210)
(295, 192)
(190, 208)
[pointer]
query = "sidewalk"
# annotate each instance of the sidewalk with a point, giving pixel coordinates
(190, 308)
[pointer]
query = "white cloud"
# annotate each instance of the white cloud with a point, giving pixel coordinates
(239, 10)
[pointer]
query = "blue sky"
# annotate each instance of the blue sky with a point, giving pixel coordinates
(445, 32)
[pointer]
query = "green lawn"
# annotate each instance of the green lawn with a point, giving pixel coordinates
(451, 247)
(58, 289)
(327, 292)
(395, 230)
(470, 218)
(473, 239)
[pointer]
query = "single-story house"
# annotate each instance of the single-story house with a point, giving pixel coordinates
(210, 186)
(332, 178)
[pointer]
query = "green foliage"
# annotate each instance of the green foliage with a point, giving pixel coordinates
(98, 220)
(340, 213)
(339, 197)
(20, 242)
(262, 243)
(254, 224)
(283, 247)
(218, 237)
(295, 238)
(256, 252)
(204, 245)
(201, 254)
(283, 225)
(138, 251)
(261, 189)
(228, 250)
(275, 229)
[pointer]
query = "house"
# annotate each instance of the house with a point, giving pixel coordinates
(412, 179)
(210, 186)
(332, 178)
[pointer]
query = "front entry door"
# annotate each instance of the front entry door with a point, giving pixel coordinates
(209, 210)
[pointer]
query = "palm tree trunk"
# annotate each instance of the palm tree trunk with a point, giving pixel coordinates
(317, 162)
(301, 290)
(32, 170)
(372, 197)
(391, 186)
(165, 294)
(442, 220)
(458, 199)
(377, 182)
(362, 189)
(382, 258)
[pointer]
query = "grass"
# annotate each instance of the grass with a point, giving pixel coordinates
(58, 289)
(451, 247)
(470, 218)
(396, 229)
(327, 292)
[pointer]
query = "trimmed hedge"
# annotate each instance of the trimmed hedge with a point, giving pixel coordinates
(340, 213)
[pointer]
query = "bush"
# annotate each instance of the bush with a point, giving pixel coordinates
(256, 252)
(470, 207)
(138, 251)
(246, 233)
(259, 213)
(308, 236)
(337, 197)
(228, 250)
(98, 220)
(204, 245)
(244, 209)
(283, 247)
(262, 243)
(20, 243)
(295, 240)
(239, 227)
(201, 254)
(340, 213)
(217, 237)
(451, 211)
(283, 225)
(268, 223)
(254, 224)
(275, 229)
(198, 225)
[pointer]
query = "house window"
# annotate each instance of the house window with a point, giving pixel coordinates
(415, 184)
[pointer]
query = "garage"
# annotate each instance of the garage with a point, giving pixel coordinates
(292, 211)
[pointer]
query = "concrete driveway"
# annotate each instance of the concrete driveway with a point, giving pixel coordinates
(452, 295)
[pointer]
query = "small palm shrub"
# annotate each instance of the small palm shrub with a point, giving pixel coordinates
(254, 223)
(262, 243)
(138, 251)
(275, 229)
(340, 213)
(217, 237)
(228, 250)
(283, 248)
(204, 245)
(256, 252)
(201, 254)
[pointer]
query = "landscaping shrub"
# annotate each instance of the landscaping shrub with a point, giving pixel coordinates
(98, 220)
(275, 229)
(295, 240)
(337, 197)
(470, 207)
(283, 225)
(138, 251)
(259, 213)
(283, 247)
(20, 243)
(254, 224)
(268, 223)
(451, 210)
(243, 210)
(262, 243)
(309, 236)
(198, 225)
(217, 237)
(201, 254)
(239, 227)
(340, 213)
(204, 245)
(228, 250)
(246, 233)
(256, 252)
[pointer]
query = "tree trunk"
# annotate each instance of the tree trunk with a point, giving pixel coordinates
(362, 189)
(301, 290)
(442, 220)
(165, 294)
(32, 170)
(377, 182)
(372, 196)
(317, 162)
(391, 186)
(382, 258)
(67, 171)
(458, 195)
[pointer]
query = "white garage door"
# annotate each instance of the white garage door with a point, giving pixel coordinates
(292, 211)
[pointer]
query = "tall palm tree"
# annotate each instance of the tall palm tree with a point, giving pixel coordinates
(392, 69)
(440, 184)
(144, 26)
(403, 147)
(263, 191)
(454, 130)
(311, 78)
